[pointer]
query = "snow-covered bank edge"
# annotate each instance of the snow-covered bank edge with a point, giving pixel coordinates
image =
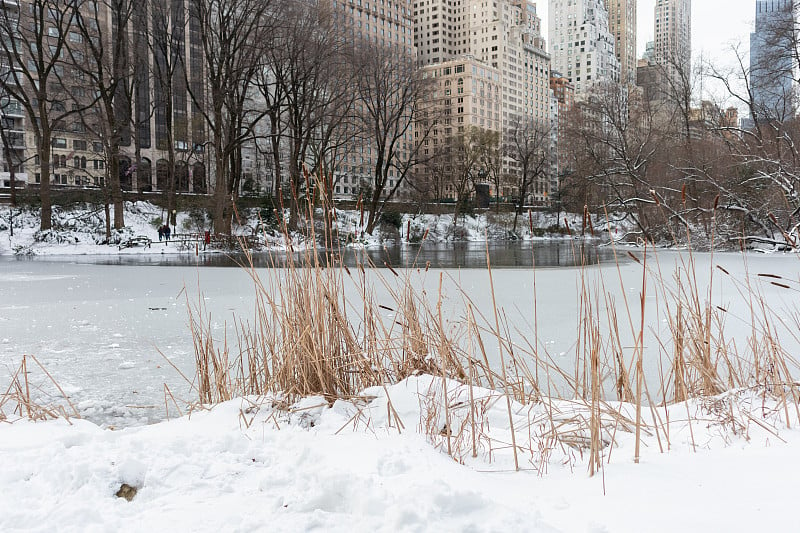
(80, 230)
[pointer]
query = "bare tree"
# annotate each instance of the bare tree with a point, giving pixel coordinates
(389, 90)
(468, 154)
(7, 104)
(34, 50)
(310, 78)
(230, 31)
(267, 82)
(615, 141)
(762, 186)
(529, 148)
(100, 50)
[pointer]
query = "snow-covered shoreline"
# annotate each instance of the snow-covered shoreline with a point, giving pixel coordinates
(80, 230)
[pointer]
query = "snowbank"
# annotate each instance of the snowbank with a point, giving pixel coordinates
(260, 465)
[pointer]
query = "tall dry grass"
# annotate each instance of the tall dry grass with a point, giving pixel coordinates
(25, 398)
(318, 329)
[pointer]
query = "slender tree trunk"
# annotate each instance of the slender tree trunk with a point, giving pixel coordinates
(115, 186)
(294, 177)
(12, 175)
(44, 182)
(172, 201)
(375, 200)
(276, 158)
(107, 210)
(222, 222)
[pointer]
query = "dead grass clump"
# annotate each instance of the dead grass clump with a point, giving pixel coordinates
(26, 398)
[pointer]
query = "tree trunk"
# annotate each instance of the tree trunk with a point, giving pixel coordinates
(374, 215)
(107, 210)
(13, 175)
(44, 182)
(276, 158)
(294, 185)
(222, 222)
(114, 185)
(172, 200)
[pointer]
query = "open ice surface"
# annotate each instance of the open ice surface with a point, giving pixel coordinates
(110, 334)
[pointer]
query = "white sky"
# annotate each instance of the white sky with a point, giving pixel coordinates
(715, 24)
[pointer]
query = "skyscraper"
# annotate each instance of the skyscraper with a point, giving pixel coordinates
(622, 24)
(771, 62)
(582, 46)
(673, 43)
(491, 66)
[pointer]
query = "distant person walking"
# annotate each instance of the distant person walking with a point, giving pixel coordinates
(166, 231)
(160, 233)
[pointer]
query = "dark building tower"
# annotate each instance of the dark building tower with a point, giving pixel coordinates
(771, 65)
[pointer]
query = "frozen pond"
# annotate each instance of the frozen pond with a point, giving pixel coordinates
(99, 328)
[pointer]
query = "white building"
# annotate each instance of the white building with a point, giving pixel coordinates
(581, 45)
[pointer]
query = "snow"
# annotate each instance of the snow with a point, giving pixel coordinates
(249, 466)
(80, 230)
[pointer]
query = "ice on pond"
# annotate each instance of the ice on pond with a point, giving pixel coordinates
(112, 302)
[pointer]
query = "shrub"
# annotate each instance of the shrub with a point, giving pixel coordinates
(392, 218)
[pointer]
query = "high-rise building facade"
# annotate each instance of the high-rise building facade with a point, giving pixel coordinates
(582, 47)
(673, 36)
(503, 55)
(165, 58)
(771, 64)
(12, 118)
(168, 94)
(622, 24)
(564, 95)
(503, 34)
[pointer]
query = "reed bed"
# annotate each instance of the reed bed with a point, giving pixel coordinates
(319, 330)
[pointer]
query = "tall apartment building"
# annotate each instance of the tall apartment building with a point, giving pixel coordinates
(771, 64)
(503, 34)
(582, 45)
(165, 51)
(622, 24)
(12, 119)
(381, 23)
(499, 39)
(466, 94)
(564, 95)
(673, 35)
(164, 112)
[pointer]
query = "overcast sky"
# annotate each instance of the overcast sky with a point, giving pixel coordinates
(715, 24)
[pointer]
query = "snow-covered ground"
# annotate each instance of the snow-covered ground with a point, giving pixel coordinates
(249, 465)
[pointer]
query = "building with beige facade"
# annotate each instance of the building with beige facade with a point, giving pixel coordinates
(564, 95)
(622, 25)
(501, 37)
(673, 35)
